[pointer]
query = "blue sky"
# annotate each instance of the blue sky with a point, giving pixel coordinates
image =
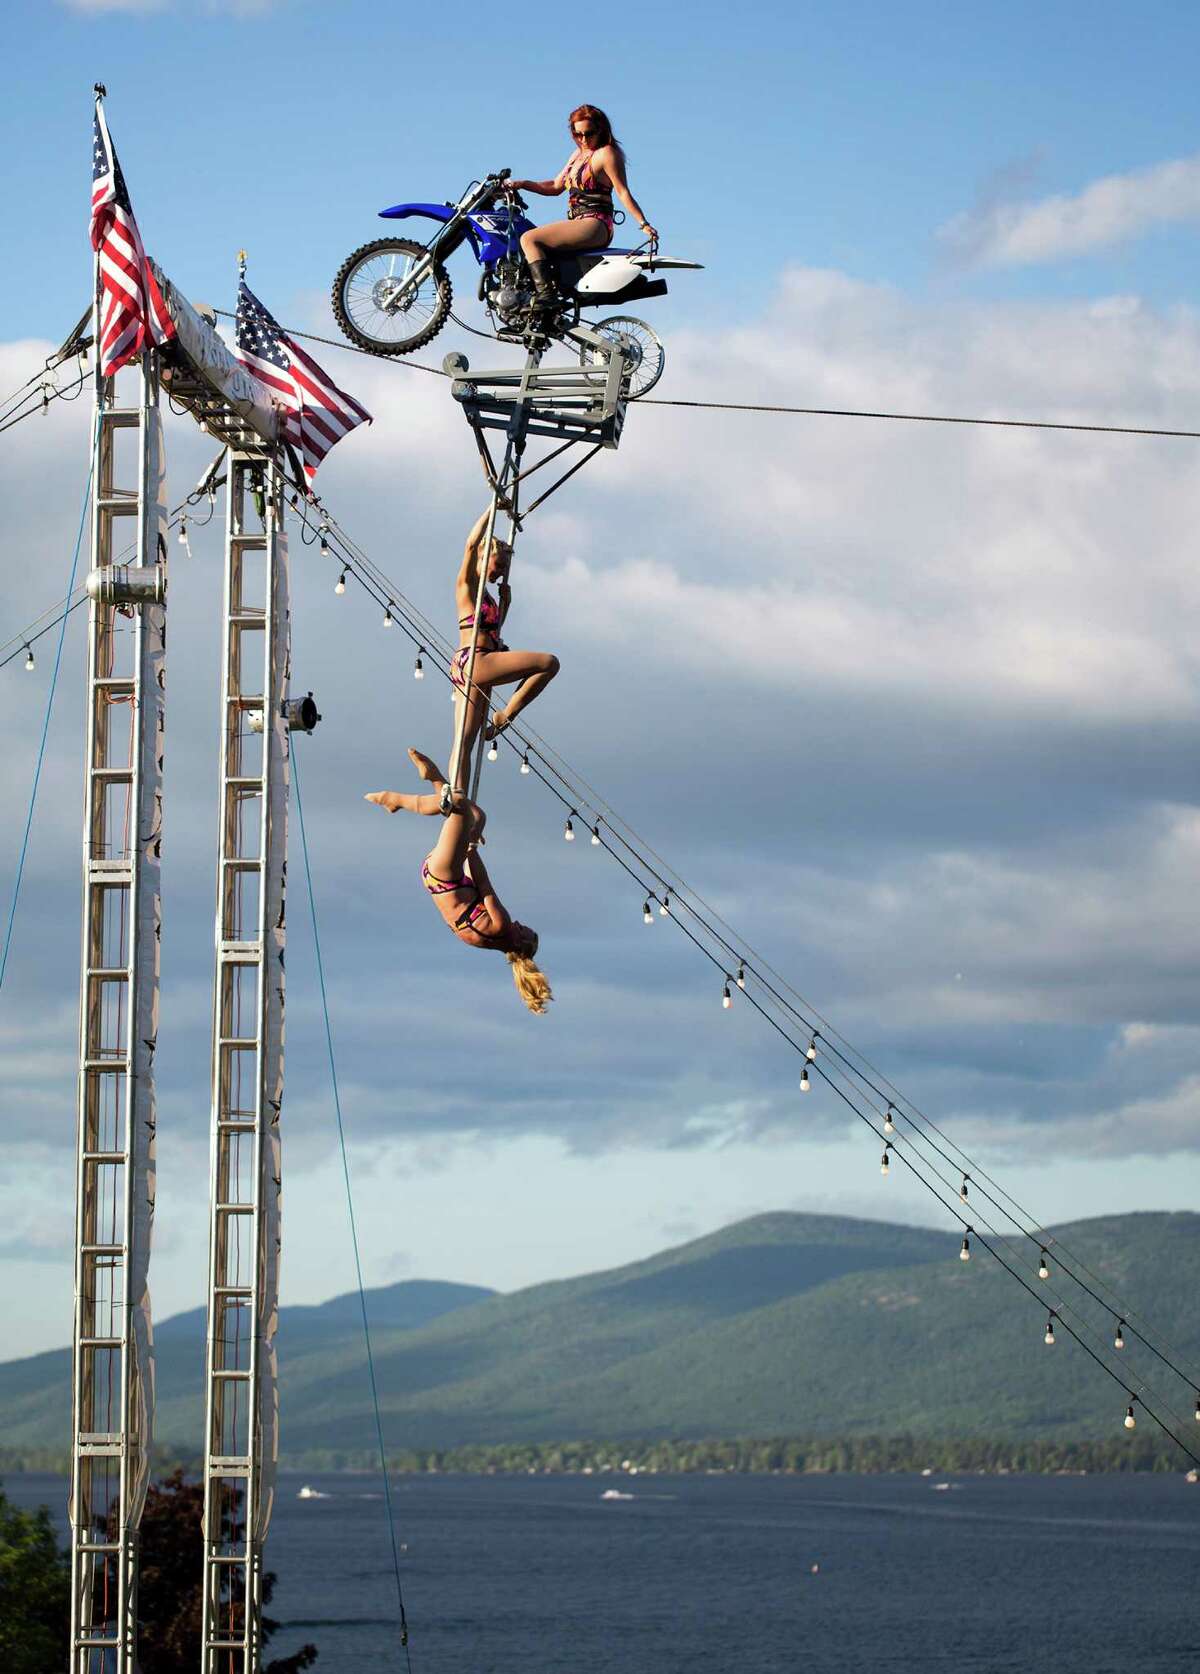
(916, 708)
(839, 138)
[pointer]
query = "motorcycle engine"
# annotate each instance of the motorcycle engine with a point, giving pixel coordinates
(509, 295)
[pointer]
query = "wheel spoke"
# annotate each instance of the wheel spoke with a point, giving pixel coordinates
(648, 358)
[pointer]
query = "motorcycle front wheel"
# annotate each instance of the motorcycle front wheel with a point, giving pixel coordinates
(373, 307)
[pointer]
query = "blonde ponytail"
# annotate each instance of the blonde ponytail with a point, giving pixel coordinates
(531, 982)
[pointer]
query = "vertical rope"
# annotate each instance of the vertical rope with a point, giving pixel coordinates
(41, 755)
(362, 1299)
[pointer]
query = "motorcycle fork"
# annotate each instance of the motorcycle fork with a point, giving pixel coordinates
(444, 245)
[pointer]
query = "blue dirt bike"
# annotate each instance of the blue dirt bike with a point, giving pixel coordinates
(394, 295)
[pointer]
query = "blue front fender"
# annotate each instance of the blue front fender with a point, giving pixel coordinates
(432, 211)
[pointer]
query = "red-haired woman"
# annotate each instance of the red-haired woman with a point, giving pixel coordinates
(595, 170)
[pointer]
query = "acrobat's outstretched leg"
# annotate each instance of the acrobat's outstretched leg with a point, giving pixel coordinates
(462, 826)
(426, 803)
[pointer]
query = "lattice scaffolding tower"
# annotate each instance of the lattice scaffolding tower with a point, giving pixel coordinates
(112, 1355)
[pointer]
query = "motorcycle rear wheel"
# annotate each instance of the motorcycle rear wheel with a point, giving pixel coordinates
(366, 282)
(643, 349)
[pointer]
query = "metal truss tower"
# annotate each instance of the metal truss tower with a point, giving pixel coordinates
(241, 1407)
(112, 1370)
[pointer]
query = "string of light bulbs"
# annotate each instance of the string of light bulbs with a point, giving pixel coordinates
(44, 376)
(809, 1017)
(945, 1192)
(398, 611)
(1136, 1395)
(425, 636)
(39, 400)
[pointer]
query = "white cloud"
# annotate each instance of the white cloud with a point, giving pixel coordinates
(1116, 208)
(914, 705)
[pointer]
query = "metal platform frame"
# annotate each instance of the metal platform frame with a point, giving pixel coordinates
(112, 1363)
(241, 1405)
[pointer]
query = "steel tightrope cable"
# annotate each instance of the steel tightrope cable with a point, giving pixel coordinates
(779, 408)
(341, 1132)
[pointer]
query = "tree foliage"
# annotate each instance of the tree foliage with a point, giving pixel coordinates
(170, 1586)
(35, 1588)
(35, 1593)
(862, 1454)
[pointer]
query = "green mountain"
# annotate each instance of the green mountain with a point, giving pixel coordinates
(783, 1324)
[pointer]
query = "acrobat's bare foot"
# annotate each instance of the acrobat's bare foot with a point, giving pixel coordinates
(497, 724)
(427, 767)
(394, 801)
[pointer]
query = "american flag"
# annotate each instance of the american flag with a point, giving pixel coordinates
(133, 315)
(318, 413)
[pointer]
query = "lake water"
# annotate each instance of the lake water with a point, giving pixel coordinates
(539, 1575)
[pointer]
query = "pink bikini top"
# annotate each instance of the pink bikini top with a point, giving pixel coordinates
(489, 616)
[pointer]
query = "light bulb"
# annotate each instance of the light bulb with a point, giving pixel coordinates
(665, 905)
(962, 1190)
(45, 399)
(340, 587)
(212, 495)
(1119, 1339)
(886, 1160)
(889, 1125)
(1130, 1420)
(1198, 1408)
(726, 996)
(596, 836)
(181, 538)
(525, 767)
(29, 659)
(741, 976)
(324, 547)
(1048, 1339)
(387, 615)
(493, 753)
(805, 1083)
(965, 1253)
(811, 1050)
(647, 913)
(569, 829)
(1044, 1266)
(419, 666)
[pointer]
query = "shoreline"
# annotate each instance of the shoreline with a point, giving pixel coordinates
(779, 1456)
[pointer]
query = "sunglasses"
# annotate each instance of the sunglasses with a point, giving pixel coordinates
(583, 133)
